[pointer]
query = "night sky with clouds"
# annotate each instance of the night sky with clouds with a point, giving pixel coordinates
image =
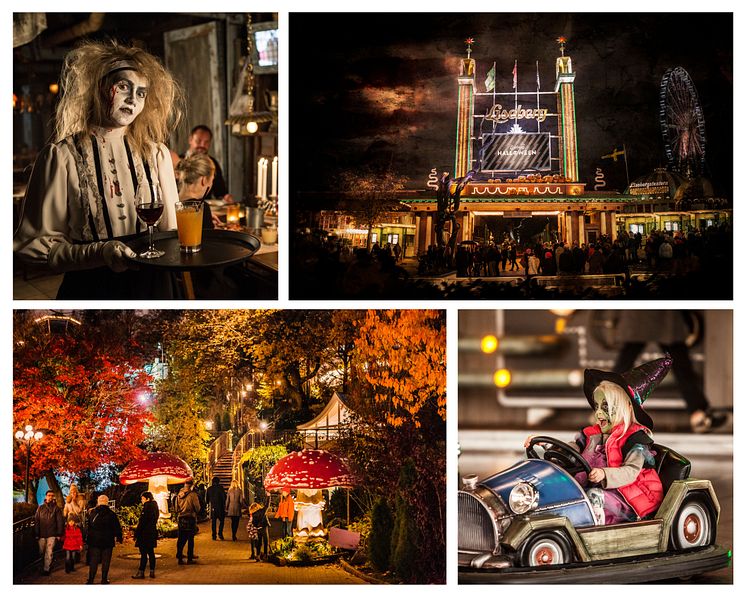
(380, 90)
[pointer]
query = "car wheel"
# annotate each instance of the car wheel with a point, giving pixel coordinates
(693, 525)
(546, 549)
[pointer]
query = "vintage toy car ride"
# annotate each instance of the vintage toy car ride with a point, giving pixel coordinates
(533, 523)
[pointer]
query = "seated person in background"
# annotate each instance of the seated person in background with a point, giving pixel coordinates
(194, 178)
(200, 140)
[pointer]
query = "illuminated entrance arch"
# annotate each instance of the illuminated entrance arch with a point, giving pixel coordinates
(523, 148)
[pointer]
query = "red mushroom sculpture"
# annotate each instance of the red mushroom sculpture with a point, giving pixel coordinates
(308, 472)
(159, 469)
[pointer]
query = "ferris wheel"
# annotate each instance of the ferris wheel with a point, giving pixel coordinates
(682, 122)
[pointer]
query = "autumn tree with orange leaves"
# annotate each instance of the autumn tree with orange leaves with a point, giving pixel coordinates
(403, 355)
(398, 396)
(82, 396)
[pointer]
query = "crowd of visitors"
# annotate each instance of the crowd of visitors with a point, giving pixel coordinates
(675, 252)
(326, 266)
(88, 530)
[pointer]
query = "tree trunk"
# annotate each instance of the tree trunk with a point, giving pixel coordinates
(34, 487)
(55, 486)
(370, 237)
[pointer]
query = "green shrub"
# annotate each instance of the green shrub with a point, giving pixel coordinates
(379, 541)
(167, 528)
(128, 516)
(361, 526)
(302, 553)
(283, 547)
(404, 539)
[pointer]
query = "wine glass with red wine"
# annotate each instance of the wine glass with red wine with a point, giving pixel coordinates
(149, 210)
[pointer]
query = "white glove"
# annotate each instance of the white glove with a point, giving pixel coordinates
(117, 255)
(66, 257)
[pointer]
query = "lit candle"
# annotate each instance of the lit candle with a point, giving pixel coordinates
(259, 178)
(233, 213)
(264, 178)
(274, 177)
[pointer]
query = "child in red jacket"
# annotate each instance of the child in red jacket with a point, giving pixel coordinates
(73, 542)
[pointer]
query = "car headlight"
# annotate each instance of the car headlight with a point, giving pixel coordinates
(523, 498)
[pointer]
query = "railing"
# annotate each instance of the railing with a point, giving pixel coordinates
(245, 444)
(314, 438)
(250, 440)
(25, 547)
(220, 446)
(579, 280)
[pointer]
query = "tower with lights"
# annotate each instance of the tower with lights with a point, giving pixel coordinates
(564, 87)
(465, 118)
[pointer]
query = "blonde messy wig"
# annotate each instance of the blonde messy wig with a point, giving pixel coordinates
(620, 406)
(190, 170)
(83, 104)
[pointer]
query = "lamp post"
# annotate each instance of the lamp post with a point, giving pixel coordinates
(28, 435)
(263, 428)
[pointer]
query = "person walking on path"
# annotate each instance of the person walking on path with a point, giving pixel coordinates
(187, 509)
(74, 503)
(261, 524)
(72, 544)
(103, 530)
(216, 500)
(146, 534)
(234, 504)
(49, 524)
(286, 511)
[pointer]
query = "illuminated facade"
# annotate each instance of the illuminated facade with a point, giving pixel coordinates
(524, 167)
(396, 228)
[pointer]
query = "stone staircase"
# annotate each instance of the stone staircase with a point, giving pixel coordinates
(223, 469)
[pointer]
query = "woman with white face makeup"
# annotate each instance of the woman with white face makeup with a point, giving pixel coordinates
(117, 108)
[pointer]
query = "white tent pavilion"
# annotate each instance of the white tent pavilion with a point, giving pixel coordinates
(325, 427)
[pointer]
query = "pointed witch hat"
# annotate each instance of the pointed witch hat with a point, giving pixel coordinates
(639, 383)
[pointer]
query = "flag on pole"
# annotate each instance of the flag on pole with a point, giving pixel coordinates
(489, 82)
(515, 75)
(538, 83)
(615, 154)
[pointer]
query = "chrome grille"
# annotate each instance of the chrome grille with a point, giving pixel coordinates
(475, 528)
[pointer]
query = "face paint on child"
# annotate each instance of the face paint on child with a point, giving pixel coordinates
(126, 96)
(603, 413)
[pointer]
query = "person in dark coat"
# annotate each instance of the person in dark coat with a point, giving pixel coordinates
(146, 534)
(261, 524)
(187, 509)
(513, 256)
(216, 500)
(566, 265)
(49, 524)
(103, 530)
(548, 263)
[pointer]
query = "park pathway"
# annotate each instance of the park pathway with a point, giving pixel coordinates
(220, 562)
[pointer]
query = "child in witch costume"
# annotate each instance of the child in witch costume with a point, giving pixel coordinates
(619, 446)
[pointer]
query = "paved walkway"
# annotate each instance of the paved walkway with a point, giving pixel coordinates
(220, 562)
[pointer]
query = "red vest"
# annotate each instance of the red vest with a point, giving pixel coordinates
(645, 493)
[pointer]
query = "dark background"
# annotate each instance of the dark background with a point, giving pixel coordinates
(380, 90)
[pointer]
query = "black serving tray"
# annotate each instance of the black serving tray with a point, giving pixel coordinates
(220, 248)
